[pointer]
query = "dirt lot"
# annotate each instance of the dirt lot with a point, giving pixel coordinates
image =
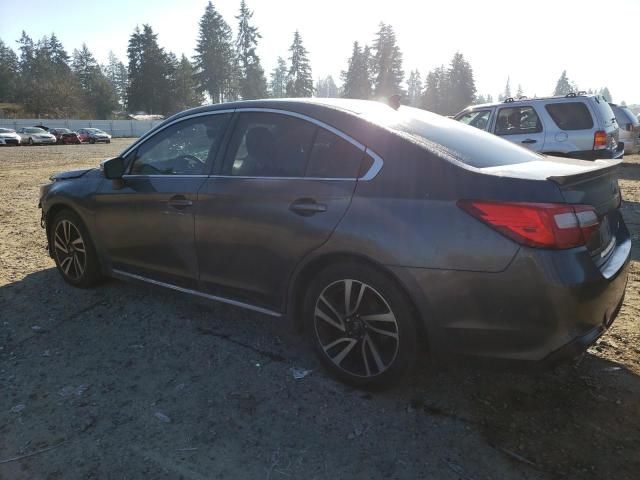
(125, 382)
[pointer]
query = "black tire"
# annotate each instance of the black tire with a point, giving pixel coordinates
(92, 141)
(370, 341)
(78, 268)
(30, 142)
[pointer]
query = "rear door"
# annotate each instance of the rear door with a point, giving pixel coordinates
(285, 184)
(520, 124)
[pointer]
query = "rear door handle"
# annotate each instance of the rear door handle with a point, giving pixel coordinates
(179, 202)
(529, 140)
(307, 207)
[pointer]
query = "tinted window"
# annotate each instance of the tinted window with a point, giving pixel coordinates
(270, 145)
(570, 116)
(517, 121)
(181, 149)
(333, 157)
(478, 119)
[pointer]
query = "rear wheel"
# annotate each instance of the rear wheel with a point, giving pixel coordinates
(30, 142)
(73, 251)
(360, 325)
(92, 141)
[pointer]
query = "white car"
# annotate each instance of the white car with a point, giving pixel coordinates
(9, 137)
(35, 135)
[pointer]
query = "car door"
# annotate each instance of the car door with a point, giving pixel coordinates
(520, 124)
(146, 221)
(285, 184)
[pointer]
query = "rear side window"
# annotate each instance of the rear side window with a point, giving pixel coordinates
(270, 145)
(333, 157)
(570, 115)
(518, 121)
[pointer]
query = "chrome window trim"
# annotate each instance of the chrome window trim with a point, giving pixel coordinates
(152, 133)
(165, 176)
(197, 293)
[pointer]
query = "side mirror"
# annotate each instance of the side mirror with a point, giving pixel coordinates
(113, 168)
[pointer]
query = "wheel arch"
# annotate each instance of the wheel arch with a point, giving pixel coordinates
(301, 279)
(51, 213)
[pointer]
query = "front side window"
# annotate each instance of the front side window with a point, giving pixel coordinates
(185, 148)
(270, 145)
(518, 121)
(477, 118)
(570, 115)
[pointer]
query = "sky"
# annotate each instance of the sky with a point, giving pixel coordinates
(529, 42)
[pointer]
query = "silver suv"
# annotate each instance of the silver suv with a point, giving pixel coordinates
(629, 128)
(576, 125)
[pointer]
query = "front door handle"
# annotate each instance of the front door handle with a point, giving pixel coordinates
(179, 202)
(307, 207)
(529, 140)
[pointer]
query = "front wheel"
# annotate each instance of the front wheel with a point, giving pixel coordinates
(73, 251)
(361, 325)
(30, 142)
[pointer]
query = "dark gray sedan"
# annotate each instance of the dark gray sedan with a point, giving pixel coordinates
(378, 231)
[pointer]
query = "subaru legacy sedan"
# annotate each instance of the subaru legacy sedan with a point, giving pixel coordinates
(379, 232)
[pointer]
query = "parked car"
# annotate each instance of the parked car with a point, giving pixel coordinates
(9, 136)
(34, 136)
(93, 135)
(629, 128)
(576, 125)
(64, 136)
(369, 227)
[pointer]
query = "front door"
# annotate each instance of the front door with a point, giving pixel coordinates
(285, 185)
(520, 124)
(146, 222)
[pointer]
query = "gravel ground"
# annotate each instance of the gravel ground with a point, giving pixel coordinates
(124, 381)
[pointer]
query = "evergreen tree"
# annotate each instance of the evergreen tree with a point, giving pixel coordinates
(299, 79)
(387, 63)
(327, 88)
(149, 73)
(215, 60)
(116, 73)
(563, 86)
(9, 71)
(414, 88)
(461, 88)
(99, 95)
(356, 79)
(507, 91)
(185, 91)
(606, 94)
(519, 93)
(84, 66)
(436, 91)
(278, 83)
(253, 83)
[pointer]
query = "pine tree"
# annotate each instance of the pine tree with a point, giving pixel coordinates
(520, 92)
(507, 91)
(387, 63)
(356, 79)
(299, 79)
(84, 66)
(252, 80)
(414, 88)
(436, 91)
(278, 83)
(99, 95)
(326, 88)
(461, 88)
(116, 73)
(563, 86)
(606, 94)
(185, 92)
(9, 72)
(215, 60)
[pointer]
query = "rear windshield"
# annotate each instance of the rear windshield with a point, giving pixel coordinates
(570, 115)
(624, 115)
(452, 139)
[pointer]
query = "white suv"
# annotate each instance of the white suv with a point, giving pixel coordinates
(576, 125)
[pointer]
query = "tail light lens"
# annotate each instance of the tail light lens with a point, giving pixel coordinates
(539, 225)
(600, 140)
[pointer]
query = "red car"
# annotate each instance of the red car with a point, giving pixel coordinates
(64, 136)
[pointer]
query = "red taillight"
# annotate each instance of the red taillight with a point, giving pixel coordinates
(600, 140)
(540, 225)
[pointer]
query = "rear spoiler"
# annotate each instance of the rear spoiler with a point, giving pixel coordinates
(608, 167)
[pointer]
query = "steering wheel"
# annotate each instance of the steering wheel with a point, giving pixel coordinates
(190, 162)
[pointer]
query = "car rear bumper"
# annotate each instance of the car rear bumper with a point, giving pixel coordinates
(599, 154)
(544, 307)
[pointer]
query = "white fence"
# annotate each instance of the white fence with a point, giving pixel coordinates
(116, 128)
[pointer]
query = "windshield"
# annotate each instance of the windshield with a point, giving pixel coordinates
(94, 130)
(34, 130)
(450, 138)
(6, 130)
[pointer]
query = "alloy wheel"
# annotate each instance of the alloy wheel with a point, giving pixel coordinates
(70, 250)
(356, 328)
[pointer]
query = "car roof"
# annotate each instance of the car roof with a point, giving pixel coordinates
(516, 101)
